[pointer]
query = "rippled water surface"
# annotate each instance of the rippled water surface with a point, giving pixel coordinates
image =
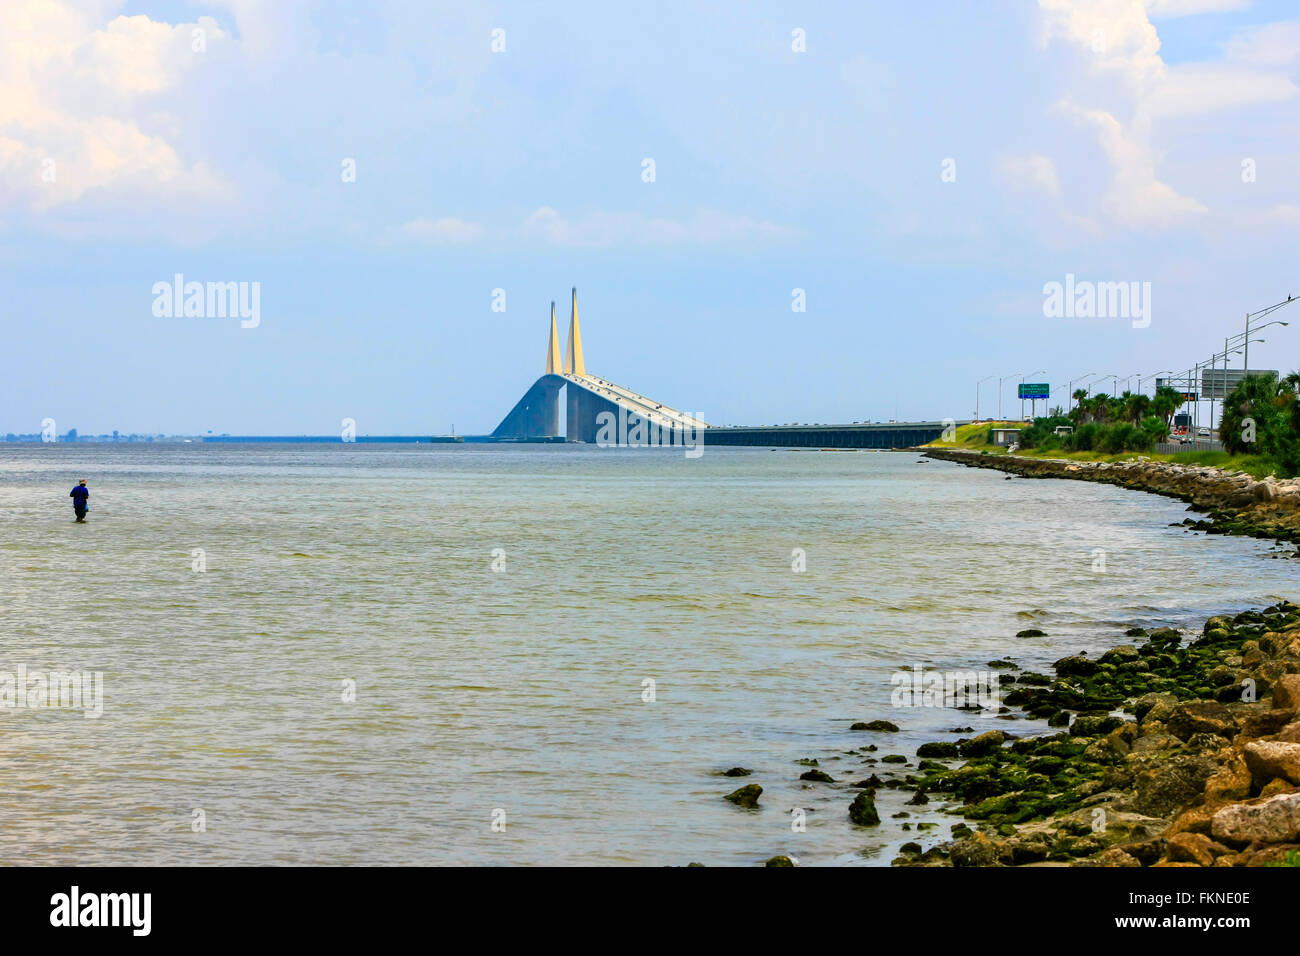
(521, 690)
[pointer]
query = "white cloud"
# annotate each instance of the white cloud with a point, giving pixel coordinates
(1135, 196)
(1275, 44)
(1288, 213)
(446, 229)
(1162, 9)
(1117, 41)
(70, 86)
(607, 229)
(1200, 88)
(1035, 170)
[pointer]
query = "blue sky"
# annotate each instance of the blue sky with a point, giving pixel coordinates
(1104, 139)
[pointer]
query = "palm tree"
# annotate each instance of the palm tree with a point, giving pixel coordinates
(1167, 401)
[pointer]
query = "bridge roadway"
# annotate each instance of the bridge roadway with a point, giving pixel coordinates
(865, 435)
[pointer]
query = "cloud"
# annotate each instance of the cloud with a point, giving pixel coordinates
(1119, 43)
(74, 96)
(446, 229)
(1036, 171)
(1288, 213)
(1135, 197)
(1167, 9)
(608, 229)
(1275, 44)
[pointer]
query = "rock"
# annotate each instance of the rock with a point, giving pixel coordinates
(862, 810)
(737, 772)
(816, 776)
(876, 725)
(1076, 666)
(780, 861)
(1263, 723)
(1275, 786)
(1115, 857)
(1232, 782)
(1119, 655)
(1268, 759)
(893, 758)
(746, 796)
(975, 850)
(986, 743)
(1154, 706)
(1201, 716)
(1028, 850)
(1290, 733)
(1094, 725)
(937, 749)
(1286, 692)
(910, 847)
(1194, 848)
(1149, 743)
(1031, 632)
(1271, 820)
(918, 799)
(1171, 784)
(1194, 819)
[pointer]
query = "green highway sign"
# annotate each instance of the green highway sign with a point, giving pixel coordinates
(1034, 390)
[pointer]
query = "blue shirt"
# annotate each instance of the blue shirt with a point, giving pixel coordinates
(79, 495)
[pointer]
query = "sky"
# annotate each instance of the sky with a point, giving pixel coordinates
(914, 174)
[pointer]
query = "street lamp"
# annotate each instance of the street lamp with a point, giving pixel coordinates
(1252, 316)
(977, 394)
(1155, 376)
(1000, 381)
(1102, 379)
(1070, 396)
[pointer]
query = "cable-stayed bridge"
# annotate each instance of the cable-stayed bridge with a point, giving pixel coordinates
(593, 403)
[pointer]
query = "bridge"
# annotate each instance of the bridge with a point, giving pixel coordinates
(536, 416)
(593, 403)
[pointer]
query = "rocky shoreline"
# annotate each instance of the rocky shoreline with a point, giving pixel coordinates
(1177, 753)
(1235, 503)
(1173, 749)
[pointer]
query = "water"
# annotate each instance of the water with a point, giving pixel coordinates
(521, 690)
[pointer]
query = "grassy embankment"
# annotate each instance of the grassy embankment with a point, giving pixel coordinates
(973, 438)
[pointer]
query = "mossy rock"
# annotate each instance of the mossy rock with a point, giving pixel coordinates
(780, 861)
(882, 726)
(746, 796)
(816, 776)
(1031, 632)
(937, 749)
(862, 810)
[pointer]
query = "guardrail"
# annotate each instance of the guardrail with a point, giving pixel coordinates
(1174, 447)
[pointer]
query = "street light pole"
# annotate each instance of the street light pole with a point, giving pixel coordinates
(977, 394)
(1070, 389)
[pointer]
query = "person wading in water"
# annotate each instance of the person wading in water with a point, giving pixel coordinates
(80, 496)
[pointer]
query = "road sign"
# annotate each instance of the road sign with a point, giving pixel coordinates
(1034, 390)
(1217, 383)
